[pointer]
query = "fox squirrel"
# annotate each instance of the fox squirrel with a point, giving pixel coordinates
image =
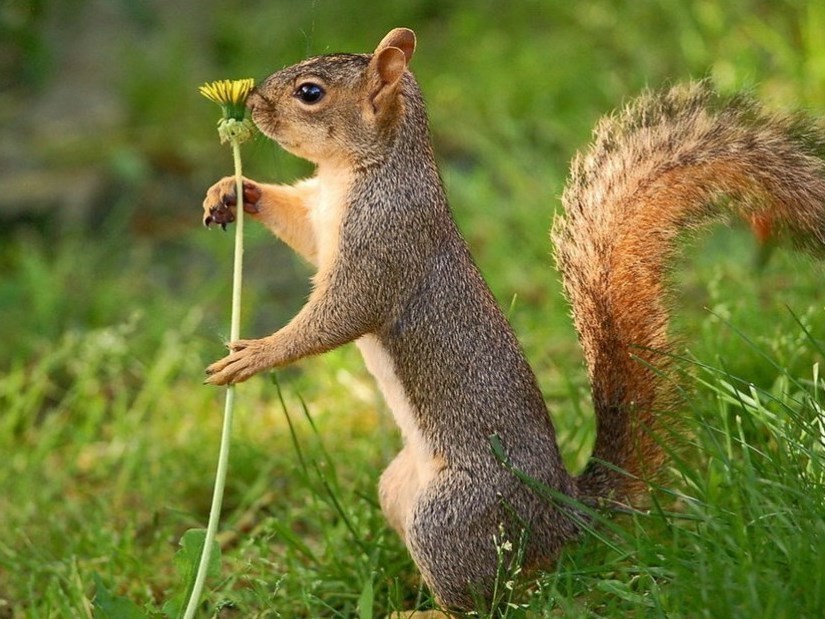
(395, 276)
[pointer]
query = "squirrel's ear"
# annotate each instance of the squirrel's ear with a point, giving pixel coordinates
(388, 65)
(402, 38)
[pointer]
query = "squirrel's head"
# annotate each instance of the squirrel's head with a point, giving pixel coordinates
(338, 107)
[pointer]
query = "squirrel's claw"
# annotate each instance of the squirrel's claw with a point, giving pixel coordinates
(221, 202)
(227, 371)
(221, 215)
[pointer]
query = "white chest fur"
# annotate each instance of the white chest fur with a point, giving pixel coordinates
(330, 201)
(380, 365)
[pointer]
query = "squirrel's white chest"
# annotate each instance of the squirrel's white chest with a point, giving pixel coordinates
(327, 210)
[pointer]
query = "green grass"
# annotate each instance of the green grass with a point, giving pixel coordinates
(109, 439)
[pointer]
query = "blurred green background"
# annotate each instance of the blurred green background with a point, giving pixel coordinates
(113, 297)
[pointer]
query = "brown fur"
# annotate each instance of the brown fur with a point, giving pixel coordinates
(667, 164)
(395, 276)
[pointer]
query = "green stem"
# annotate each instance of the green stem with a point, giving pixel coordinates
(223, 455)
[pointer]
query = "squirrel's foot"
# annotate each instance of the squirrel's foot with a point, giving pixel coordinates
(419, 614)
(248, 357)
(221, 201)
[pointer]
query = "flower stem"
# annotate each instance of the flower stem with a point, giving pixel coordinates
(237, 274)
(223, 455)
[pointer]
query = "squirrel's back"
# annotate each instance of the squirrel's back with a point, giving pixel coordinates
(663, 166)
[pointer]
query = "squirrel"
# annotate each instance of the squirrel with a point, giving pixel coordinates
(395, 276)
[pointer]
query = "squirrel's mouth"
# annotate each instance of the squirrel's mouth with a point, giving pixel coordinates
(271, 127)
(264, 116)
(267, 125)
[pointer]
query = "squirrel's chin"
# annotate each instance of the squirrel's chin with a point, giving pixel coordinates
(294, 147)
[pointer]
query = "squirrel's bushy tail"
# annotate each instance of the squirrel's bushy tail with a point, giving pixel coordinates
(667, 164)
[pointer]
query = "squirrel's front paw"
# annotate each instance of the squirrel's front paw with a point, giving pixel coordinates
(248, 357)
(221, 201)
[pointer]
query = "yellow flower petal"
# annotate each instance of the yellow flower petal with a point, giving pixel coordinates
(228, 92)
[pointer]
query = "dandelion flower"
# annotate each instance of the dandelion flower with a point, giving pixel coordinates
(234, 128)
(231, 95)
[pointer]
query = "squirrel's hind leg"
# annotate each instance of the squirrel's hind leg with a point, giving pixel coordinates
(402, 481)
(420, 614)
(452, 534)
(397, 490)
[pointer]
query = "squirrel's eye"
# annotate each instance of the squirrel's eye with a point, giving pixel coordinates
(310, 93)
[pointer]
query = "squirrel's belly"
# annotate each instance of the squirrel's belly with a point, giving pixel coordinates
(380, 365)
